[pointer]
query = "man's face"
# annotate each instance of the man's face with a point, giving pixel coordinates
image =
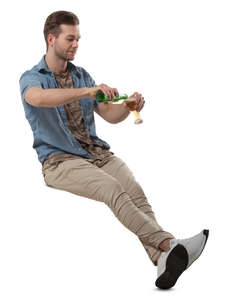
(66, 45)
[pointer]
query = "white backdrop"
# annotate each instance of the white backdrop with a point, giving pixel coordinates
(56, 245)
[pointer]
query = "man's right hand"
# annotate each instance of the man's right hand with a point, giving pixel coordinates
(108, 91)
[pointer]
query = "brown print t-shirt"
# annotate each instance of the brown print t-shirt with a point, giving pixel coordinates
(99, 153)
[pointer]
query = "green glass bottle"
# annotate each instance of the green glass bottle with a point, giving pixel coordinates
(101, 97)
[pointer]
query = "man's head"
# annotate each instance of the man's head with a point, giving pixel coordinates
(61, 32)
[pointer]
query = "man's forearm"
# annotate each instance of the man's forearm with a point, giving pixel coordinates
(118, 112)
(57, 97)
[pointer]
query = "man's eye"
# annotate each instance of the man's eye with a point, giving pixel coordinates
(70, 40)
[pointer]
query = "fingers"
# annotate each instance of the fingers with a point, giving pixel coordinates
(140, 102)
(116, 92)
(108, 91)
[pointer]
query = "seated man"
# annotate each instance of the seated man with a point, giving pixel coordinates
(59, 100)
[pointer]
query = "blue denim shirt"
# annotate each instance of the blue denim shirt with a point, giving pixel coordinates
(49, 126)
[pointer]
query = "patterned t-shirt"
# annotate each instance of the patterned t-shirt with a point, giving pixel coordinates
(100, 154)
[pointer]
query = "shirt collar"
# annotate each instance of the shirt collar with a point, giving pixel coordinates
(43, 66)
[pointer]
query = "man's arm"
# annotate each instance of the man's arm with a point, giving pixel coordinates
(112, 113)
(37, 96)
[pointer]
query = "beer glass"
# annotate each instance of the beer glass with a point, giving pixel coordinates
(131, 103)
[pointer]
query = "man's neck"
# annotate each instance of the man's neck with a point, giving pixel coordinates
(55, 64)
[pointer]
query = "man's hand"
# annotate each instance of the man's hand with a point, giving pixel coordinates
(140, 102)
(108, 91)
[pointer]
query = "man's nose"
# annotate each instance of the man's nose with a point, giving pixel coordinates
(75, 44)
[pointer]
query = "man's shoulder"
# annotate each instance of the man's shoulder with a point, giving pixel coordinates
(33, 73)
(30, 72)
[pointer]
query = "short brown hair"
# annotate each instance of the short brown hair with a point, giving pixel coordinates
(53, 22)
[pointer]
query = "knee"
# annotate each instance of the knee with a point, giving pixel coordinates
(135, 190)
(114, 187)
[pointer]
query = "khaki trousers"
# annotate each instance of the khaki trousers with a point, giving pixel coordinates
(115, 185)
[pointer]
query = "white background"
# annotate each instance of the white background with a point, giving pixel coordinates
(56, 245)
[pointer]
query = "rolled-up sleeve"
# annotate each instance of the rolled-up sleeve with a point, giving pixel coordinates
(27, 80)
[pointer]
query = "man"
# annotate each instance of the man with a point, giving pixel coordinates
(59, 100)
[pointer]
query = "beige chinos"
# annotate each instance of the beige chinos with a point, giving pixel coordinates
(115, 185)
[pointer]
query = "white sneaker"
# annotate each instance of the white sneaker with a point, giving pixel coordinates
(182, 253)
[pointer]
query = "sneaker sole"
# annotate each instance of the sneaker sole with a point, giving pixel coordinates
(176, 263)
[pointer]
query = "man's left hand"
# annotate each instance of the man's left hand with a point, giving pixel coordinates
(140, 102)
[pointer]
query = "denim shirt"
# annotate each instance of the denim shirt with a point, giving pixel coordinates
(49, 126)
